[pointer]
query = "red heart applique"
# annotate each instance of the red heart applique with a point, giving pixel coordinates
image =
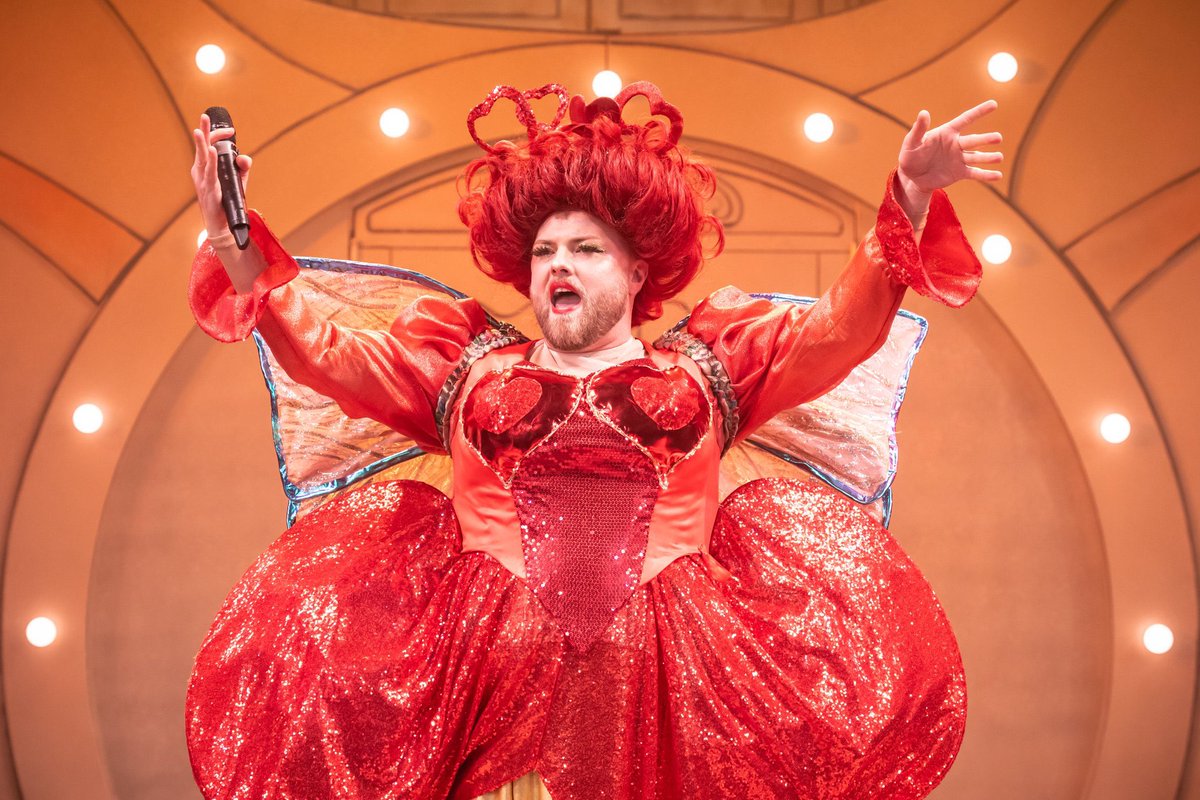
(670, 403)
(503, 403)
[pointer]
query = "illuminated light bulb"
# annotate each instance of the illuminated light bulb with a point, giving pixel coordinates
(1158, 638)
(606, 83)
(1114, 428)
(394, 122)
(88, 418)
(210, 59)
(818, 127)
(41, 632)
(1002, 67)
(201, 237)
(997, 249)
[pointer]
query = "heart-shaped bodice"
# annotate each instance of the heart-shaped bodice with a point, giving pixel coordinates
(503, 403)
(669, 403)
(586, 460)
(661, 412)
(509, 413)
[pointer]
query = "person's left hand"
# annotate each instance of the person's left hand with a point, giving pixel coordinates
(934, 159)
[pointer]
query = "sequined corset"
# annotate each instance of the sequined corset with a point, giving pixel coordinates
(593, 484)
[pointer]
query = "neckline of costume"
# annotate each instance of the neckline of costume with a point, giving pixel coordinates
(600, 367)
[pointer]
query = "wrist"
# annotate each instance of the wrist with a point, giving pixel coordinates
(221, 240)
(913, 199)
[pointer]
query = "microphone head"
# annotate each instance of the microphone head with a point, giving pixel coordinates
(218, 117)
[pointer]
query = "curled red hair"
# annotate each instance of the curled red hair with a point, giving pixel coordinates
(636, 178)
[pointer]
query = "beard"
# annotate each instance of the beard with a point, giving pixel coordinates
(568, 333)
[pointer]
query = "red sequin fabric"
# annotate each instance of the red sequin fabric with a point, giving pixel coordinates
(584, 524)
(365, 656)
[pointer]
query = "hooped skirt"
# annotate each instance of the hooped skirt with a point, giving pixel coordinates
(364, 656)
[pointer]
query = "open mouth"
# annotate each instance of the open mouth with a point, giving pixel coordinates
(564, 300)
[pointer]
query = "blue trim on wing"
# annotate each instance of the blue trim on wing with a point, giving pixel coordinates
(294, 493)
(885, 491)
(366, 268)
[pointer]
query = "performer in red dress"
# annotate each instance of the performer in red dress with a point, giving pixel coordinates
(583, 606)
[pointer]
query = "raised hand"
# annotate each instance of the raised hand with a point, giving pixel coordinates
(935, 158)
(204, 174)
(243, 266)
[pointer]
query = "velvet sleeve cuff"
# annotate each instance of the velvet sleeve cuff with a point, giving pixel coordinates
(221, 311)
(944, 267)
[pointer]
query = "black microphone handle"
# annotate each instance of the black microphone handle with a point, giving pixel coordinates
(232, 198)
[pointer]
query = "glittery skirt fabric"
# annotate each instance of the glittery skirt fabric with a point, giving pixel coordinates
(363, 656)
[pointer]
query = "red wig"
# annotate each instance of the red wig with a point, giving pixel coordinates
(636, 178)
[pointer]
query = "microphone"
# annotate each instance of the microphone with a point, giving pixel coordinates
(232, 197)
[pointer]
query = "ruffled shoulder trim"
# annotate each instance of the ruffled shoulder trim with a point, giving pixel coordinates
(495, 338)
(680, 341)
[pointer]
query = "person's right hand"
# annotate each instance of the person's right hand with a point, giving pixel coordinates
(204, 174)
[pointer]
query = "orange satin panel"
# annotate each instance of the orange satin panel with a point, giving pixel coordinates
(487, 517)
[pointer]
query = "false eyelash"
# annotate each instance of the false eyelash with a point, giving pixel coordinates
(545, 251)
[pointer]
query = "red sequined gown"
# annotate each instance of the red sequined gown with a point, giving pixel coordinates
(583, 607)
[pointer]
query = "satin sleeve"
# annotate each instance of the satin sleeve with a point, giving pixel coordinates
(779, 355)
(393, 376)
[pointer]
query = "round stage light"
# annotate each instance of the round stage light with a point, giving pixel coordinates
(996, 249)
(210, 59)
(1115, 428)
(88, 418)
(1002, 67)
(1158, 638)
(606, 83)
(41, 632)
(394, 122)
(818, 127)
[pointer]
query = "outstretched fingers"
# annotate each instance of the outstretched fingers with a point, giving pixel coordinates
(977, 157)
(972, 114)
(972, 156)
(916, 134)
(977, 174)
(972, 141)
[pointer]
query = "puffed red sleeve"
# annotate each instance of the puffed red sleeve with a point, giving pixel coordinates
(780, 355)
(392, 376)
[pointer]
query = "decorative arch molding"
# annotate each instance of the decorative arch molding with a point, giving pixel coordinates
(604, 16)
(144, 321)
